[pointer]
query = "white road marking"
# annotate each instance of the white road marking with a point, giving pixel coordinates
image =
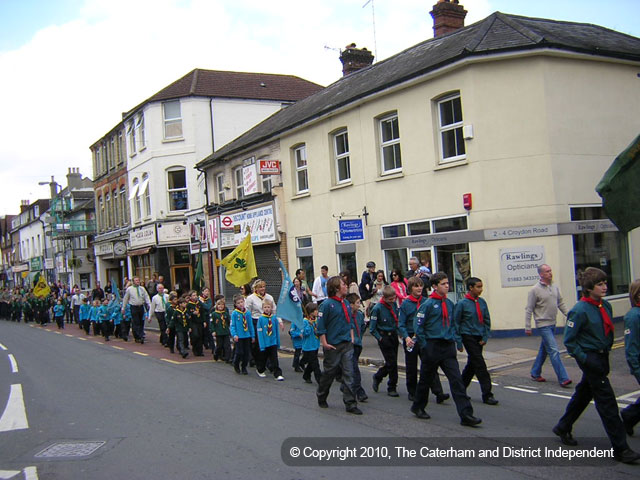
(14, 364)
(628, 395)
(7, 474)
(15, 415)
(30, 473)
(2, 347)
(142, 354)
(522, 390)
(557, 396)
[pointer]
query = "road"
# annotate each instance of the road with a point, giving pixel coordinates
(115, 410)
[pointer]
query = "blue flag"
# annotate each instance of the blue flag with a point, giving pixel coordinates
(289, 305)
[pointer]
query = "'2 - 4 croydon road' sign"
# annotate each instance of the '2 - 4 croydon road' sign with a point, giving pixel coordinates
(350, 230)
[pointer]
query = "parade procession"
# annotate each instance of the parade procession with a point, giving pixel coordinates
(246, 273)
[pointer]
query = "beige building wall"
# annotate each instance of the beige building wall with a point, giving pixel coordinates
(545, 129)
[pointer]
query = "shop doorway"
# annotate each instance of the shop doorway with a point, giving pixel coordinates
(181, 278)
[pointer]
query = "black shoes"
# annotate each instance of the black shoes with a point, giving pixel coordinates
(420, 413)
(363, 398)
(626, 456)
(441, 397)
(376, 384)
(244, 371)
(565, 437)
(353, 410)
(490, 400)
(237, 369)
(411, 397)
(185, 355)
(307, 380)
(323, 404)
(470, 421)
(393, 393)
(298, 369)
(628, 427)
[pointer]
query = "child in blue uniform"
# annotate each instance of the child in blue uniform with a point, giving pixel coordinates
(104, 320)
(360, 326)
(269, 341)
(438, 336)
(384, 327)
(93, 317)
(588, 336)
(296, 339)
(58, 313)
(310, 344)
(85, 315)
(243, 334)
(472, 316)
(631, 414)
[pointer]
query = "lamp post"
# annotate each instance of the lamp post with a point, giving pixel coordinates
(59, 198)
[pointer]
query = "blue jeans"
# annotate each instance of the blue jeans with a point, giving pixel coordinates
(548, 346)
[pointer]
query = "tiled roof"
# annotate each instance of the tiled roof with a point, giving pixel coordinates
(495, 34)
(255, 86)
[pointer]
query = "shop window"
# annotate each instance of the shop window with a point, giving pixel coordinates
(306, 264)
(608, 251)
(394, 231)
(347, 262)
(396, 259)
(419, 228)
(177, 190)
(450, 224)
(455, 261)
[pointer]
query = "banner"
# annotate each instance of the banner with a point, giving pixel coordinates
(289, 304)
(240, 263)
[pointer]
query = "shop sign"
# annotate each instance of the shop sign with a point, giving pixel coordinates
(103, 248)
(519, 265)
(48, 263)
(260, 221)
(173, 232)
(250, 179)
(350, 230)
(21, 268)
(35, 264)
(143, 236)
(269, 167)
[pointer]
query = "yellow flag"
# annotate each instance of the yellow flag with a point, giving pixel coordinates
(240, 264)
(42, 288)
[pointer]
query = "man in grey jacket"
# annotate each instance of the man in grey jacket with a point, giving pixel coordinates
(543, 302)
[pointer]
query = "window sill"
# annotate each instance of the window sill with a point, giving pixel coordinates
(389, 176)
(131, 155)
(341, 185)
(455, 163)
(172, 140)
(301, 195)
(142, 149)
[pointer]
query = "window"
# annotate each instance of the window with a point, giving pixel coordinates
(177, 189)
(347, 263)
(101, 220)
(455, 261)
(306, 264)
(419, 228)
(390, 144)
(172, 119)
(394, 231)
(450, 128)
(107, 220)
(451, 224)
(266, 183)
(115, 206)
(341, 153)
(304, 242)
(220, 187)
(144, 193)
(132, 138)
(302, 179)
(239, 182)
(608, 251)
(136, 200)
(141, 135)
(112, 153)
(120, 148)
(98, 163)
(124, 206)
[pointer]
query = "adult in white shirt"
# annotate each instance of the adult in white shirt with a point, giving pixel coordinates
(319, 290)
(76, 301)
(158, 311)
(137, 297)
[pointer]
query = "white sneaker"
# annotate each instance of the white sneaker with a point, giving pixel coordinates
(261, 375)
(280, 378)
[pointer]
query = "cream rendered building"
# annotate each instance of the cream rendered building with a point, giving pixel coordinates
(478, 151)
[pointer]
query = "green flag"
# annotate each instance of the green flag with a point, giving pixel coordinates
(620, 188)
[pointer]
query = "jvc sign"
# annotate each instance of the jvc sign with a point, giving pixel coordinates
(350, 230)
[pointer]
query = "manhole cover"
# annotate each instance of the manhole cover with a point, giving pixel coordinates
(69, 449)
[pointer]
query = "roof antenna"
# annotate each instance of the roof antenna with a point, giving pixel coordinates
(373, 21)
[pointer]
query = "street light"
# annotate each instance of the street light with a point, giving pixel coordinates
(53, 185)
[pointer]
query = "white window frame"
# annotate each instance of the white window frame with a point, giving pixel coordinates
(131, 133)
(443, 129)
(144, 193)
(182, 189)
(267, 184)
(339, 157)
(389, 143)
(299, 156)
(220, 187)
(116, 207)
(142, 139)
(136, 200)
(238, 180)
(168, 121)
(124, 205)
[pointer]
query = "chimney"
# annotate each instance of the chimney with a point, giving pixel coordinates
(354, 59)
(24, 205)
(74, 179)
(448, 16)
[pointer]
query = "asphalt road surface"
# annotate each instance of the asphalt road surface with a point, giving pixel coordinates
(76, 407)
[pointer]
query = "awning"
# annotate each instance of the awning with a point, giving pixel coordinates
(134, 190)
(139, 251)
(143, 187)
(620, 188)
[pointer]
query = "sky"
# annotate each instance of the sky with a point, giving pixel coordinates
(69, 68)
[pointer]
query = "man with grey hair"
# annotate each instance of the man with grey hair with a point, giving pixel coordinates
(158, 311)
(543, 302)
(138, 298)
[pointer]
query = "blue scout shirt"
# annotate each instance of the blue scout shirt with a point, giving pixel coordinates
(310, 340)
(584, 331)
(429, 323)
(268, 331)
(85, 311)
(241, 324)
(407, 313)
(58, 310)
(384, 318)
(632, 340)
(332, 321)
(359, 327)
(296, 336)
(466, 316)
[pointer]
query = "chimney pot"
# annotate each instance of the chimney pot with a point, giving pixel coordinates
(354, 59)
(448, 16)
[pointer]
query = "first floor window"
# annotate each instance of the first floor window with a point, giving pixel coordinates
(177, 189)
(239, 180)
(302, 180)
(390, 144)
(341, 155)
(172, 119)
(220, 187)
(450, 127)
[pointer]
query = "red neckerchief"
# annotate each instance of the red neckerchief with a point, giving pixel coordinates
(390, 308)
(354, 315)
(475, 300)
(608, 324)
(445, 313)
(415, 300)
(344, 308)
